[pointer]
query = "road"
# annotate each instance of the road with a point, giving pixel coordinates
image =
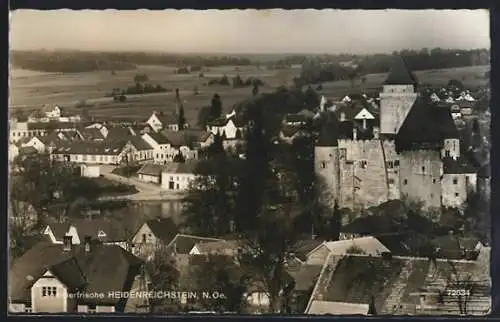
(147, 191)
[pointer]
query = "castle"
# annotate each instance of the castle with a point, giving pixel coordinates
(407, 148)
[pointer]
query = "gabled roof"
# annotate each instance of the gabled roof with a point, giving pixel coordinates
(91, 147)
(163, 228)
(159, 138)
(151, 169)
(425, 127)
(91, 134)
(187, 167)
(106, 268)
(369, 245)
(305, 277)
(118, 133)
(400, 74)
(184, 243)
(329, 133)
(139, 143)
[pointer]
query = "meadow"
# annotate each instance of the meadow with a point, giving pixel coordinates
(29, 90)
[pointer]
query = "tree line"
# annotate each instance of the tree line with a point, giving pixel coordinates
(83, 61)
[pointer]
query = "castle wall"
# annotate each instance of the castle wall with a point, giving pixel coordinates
(395, 104)
(420, 173)
(326, 162)
(454, 188)
(363, 174)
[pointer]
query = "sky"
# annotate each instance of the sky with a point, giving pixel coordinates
(250, 31)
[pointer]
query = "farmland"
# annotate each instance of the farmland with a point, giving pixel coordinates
(29, 90)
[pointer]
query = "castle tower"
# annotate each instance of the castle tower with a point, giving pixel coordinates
(397, 97)
(326, 159)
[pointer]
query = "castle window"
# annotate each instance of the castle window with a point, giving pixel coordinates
(456, 194)
(390, 164)
(405, 181)
(362, 164)
(447, 153)
(455, 180)
(423, 169)
(323, 165)
(433, 180)
(396, 163)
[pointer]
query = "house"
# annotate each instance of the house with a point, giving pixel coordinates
(34, 142)
(305, 278)
(183, 142)
(163, 151)
(364, 245)
(183, 244)
(224, 247)
(143, 151)
(53, 278)
(459, 179)
(139, 129)
(90, 170)
(289, 133)
(178, 176)
(152, 235)
(20, 130)
(93, 134)
(404, 285)
(150, 172)
(229, 128)
(117, 133)
(103, 129)
(104, 152)
(160, 121)
(106, 230)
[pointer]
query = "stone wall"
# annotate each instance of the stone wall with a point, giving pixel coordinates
(420, 173)
(454, 188)
(326, 161)
(451, 148)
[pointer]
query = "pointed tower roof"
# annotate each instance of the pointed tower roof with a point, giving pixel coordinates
(400, 74)
(328, 135)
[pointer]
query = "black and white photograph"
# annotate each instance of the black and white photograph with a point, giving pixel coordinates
(249, 162)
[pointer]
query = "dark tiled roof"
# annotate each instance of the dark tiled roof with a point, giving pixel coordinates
(69, 273)
(222, 121)
(117, 133)
(186, 168)
(184, 243)
(426, 126)
(151, 169)
(357, 278)
(139, 143)
(91, 147)
(163, 228)
(453, 247)
(460, 165)
(400, 74)
(106, 269)
(305, 277)
(329, 133)
(303, 247)
(91, 134)
(159, 138)
(115, 230)
(47, 126)
(167, 119)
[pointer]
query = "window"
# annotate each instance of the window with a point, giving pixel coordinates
(28, 309)
(423, 169)
(396, 163)
(157, 156)
(455, 180)
(433, 180)
(362, 164)
(456, 194)
(143, 238)
(49, 291)
(44, 291)
(92, 309)
(390, 164)
(93, 157)
(405, 181)
(447, 153)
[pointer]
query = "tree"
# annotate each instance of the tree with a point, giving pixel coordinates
(216, 107)
(177, 95)
(181, 121)
(164, 276)
(179, 158)
(255, 89)
(204, 116)
(312, 99)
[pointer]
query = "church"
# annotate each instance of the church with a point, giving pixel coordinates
(408, 148)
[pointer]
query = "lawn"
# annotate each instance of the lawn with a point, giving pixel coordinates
(32, 89)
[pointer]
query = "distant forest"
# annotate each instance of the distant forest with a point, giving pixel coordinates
(81, 61)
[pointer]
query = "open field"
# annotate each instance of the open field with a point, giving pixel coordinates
(31, 89)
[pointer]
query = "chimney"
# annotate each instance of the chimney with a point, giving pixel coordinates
(87, 241)
(376, 133)
(354, 133)
(67, 243)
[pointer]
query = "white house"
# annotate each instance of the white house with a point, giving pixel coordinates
(163, 151)
(369, 246)
(160, 121)
(223, 247)
(150, 173)
(152, 235)
(178, 176)
(34, 142)
(44, 276)
(230, 128)
(364, 115)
